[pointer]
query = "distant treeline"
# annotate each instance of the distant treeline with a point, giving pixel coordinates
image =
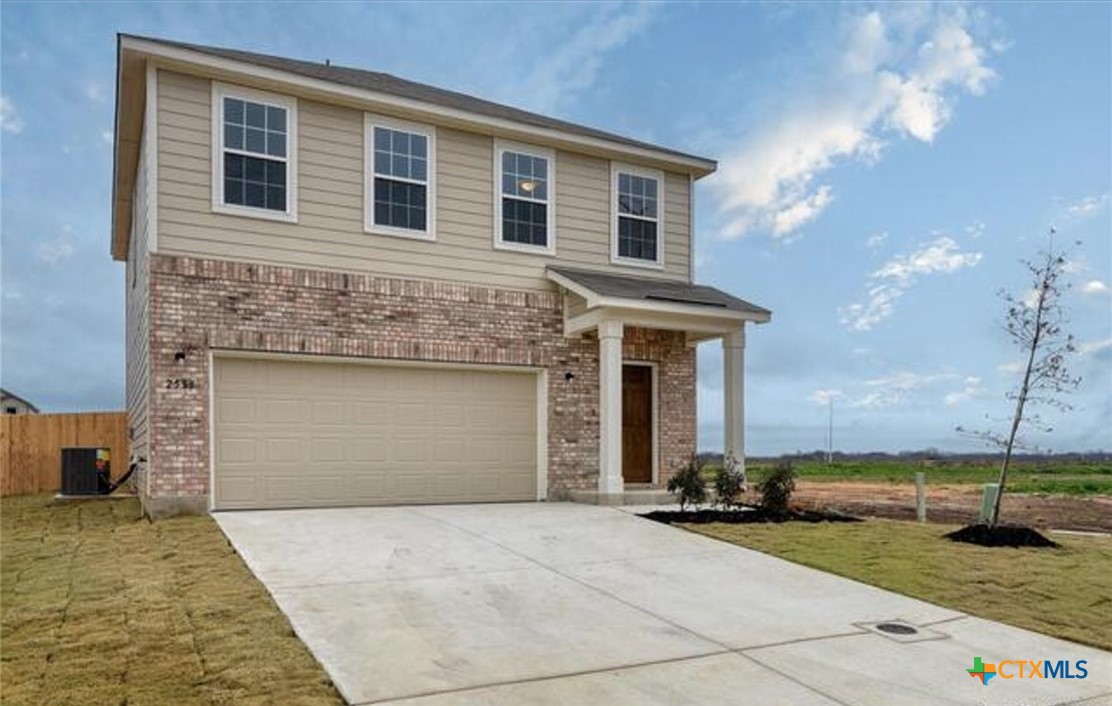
(926, 456)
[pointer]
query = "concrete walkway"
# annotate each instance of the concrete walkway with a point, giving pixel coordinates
(572, 604)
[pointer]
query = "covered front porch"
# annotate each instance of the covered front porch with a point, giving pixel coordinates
(630, 403)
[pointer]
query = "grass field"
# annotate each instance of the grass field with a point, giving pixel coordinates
(98, 606)
(1060, 592)
(1058, 479)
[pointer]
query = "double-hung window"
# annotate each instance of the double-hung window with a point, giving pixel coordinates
(524, 206)
(255, 153)
(401, 182)
(638, 231)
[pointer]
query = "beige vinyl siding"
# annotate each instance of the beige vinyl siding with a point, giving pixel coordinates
(329, 233)
(137, 300)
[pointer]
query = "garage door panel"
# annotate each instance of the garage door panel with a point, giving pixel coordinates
(367, 412)
(288, 450)
(449, 450)
(325, 450)
(298, 434)
(237, 410)
(484, 416)
(237, 450)
(369, 449)
(237, 489)
(413, 414)
(330, 412)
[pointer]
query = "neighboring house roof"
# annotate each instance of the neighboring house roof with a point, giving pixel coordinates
(607, 285)
(403, 88)
(9, 395)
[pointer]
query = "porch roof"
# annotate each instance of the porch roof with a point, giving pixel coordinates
(601, 284)
(702, 311)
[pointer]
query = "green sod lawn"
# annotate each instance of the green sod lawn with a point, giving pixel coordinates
(98, 606)
(1080, 479)
(1060, 592)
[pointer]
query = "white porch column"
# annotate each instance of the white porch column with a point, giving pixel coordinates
(733, 368)
(610, 407)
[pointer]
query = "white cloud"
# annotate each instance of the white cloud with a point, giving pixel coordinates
(800, 212)
(941, 256)
(59, 249)
(971, 389)
(879, 305)
(1096, 288)
(1075, 265)
(895, 76)
(106, 136)
(892, 389)
(55, 251)
(9, 118)
(1013, 368)
(875, 240)
(824, 397)
(1030, 298)
(576, 64)
(1087, 206)
(975, 229)
(1096, 348)
(95, 92)
(873, 400)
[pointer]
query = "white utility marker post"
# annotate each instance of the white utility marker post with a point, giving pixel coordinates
(733, 373)
(921, 496)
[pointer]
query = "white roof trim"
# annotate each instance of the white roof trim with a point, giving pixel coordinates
(196, 58)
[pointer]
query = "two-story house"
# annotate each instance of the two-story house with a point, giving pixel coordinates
(347, 288)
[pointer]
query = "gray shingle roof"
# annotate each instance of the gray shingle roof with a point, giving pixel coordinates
(402, 88)
(643, 288)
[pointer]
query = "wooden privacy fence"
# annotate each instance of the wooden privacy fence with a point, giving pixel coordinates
(31, 446)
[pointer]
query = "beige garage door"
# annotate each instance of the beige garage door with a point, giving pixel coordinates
(305, 434)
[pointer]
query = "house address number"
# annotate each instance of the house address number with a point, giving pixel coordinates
(180, 383)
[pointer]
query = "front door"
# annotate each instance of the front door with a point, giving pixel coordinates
(637, 424)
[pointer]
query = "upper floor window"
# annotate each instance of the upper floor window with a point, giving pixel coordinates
(254, 165)
(402, 164)
(524, 214)
(637, 232)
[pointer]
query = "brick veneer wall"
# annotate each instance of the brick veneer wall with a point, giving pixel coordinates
(198, 305)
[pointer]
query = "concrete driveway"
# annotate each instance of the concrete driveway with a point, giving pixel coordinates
(572, 604)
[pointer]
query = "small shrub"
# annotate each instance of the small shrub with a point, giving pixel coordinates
(729, 482)
(777, 489)
(687, 485)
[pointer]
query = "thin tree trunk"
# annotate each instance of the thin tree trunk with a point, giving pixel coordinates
(1022, 399)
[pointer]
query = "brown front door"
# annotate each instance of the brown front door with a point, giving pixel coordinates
(637, 424)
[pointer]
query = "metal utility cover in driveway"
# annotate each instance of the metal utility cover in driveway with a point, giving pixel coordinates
(559, 603)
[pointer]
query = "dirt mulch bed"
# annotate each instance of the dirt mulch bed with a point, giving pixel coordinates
(957, 505)
(746, 515)
(1001, 536)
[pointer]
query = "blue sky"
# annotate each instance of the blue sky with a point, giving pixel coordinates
(883, 169)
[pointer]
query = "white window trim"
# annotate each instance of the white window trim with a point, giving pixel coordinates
(617, 168)
(501, 147)
(370, 122)
(223, 90)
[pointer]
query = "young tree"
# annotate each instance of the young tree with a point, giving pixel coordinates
(1035, 323)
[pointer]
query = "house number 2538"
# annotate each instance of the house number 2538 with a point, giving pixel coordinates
(180, 383)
